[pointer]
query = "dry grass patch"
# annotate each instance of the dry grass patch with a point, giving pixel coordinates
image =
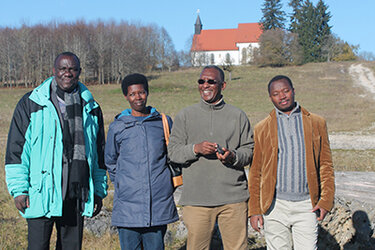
(354, 160)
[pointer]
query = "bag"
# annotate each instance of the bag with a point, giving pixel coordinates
(175, 169)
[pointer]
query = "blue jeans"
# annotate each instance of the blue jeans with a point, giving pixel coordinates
(152, 238)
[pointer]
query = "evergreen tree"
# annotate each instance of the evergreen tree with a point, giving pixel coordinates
(273, 16)
(323, 28)
(306, 31)
(313, 30)
(294, 16)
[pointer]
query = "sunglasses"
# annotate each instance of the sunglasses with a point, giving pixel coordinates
(209, 81)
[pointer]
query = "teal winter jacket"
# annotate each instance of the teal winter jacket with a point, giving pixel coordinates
(33, 162)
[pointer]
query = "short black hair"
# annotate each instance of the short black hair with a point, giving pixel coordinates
(277, 78)
(67, 53)
(221, 72)
(132, 79)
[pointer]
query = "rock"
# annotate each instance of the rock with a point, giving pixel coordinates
(168, 238)
(100, 224)
(181, 232)
(346, 227)
(335, 229)
(350, 225)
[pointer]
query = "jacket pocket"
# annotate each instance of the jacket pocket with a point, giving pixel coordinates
(39, 196)
(37, 181)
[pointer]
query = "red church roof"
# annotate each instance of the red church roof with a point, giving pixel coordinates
(226, 39)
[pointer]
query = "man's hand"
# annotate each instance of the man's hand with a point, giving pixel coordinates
(256, 222)
(97, 205)
(22, 202)
(321, 212)
(227, 158)
(205, 148)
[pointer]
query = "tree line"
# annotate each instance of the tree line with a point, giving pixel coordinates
(307, 39)
(108, 51)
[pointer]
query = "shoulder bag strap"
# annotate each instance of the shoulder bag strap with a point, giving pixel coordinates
(165, 127)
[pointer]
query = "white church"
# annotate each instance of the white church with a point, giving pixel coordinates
(224, 46)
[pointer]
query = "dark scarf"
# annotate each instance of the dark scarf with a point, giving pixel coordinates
(74, 144)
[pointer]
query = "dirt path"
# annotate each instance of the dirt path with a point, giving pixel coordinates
(356, 186)
(358, 140)
(363, 76)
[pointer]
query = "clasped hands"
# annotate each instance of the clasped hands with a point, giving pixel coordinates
(207, 148)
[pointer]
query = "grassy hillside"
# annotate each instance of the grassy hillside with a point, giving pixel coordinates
(325, 89)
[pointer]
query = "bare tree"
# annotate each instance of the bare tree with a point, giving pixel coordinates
(278, 48)
(107, 50)
(168, 54)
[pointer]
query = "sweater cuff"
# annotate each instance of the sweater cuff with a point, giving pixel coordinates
(235, 162)
(194, 151)
(15, 194)
(235, 158)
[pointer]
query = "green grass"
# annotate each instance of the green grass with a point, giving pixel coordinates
(325, 89)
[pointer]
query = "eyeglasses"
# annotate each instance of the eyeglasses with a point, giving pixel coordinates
(209, 81)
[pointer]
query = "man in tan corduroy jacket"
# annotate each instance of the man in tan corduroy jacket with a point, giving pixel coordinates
(291, 180)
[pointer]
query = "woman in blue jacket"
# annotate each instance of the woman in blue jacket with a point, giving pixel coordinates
(136, 160)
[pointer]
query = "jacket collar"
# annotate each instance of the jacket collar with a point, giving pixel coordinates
(295, 110)
(209, 107)
(126, 115)
(42, 94)
(304, 113)
(307, 126)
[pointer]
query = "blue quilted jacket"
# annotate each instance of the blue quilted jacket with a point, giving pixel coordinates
(136, 160)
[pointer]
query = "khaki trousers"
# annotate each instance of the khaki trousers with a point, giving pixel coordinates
(291, 225)
(232, 221)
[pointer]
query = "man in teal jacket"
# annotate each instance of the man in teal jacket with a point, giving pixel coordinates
(54, 160)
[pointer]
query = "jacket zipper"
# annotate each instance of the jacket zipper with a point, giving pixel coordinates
(211, 121)
(149, 177)
(149, 173)
(53, 162)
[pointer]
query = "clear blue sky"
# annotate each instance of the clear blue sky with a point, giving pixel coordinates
(352, 21)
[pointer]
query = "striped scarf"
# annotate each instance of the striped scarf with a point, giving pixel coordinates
(74, 144)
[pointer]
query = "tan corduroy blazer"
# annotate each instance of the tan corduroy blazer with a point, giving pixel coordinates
(263, 170)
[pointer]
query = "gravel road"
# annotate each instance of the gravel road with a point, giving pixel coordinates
(352, 186)
(356, 186)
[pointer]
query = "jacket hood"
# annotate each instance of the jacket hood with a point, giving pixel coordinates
(126, 115)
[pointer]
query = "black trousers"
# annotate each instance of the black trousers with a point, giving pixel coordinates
(69, 229)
